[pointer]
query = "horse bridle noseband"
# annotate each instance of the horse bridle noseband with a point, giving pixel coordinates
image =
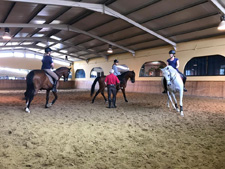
(171, 78)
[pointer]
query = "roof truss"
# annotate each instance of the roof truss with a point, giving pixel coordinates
(99, 8)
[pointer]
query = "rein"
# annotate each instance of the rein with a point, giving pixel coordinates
(172, 78)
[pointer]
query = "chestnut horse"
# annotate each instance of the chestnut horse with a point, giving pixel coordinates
(123, 83)
(37, 80)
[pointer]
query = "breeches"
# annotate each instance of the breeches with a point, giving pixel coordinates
(51, 73)
(112, 90)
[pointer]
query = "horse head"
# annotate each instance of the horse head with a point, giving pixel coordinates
(132, 76)
(169, 74)
(127, 75)
(63, 71)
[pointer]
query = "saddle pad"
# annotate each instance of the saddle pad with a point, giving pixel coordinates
(50, 78)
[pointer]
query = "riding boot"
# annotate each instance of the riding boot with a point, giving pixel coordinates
(184, 81)
(109, 105)
(54, 86)
(165, 88)
(114, 103)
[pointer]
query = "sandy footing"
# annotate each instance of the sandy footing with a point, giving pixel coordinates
(140, 134)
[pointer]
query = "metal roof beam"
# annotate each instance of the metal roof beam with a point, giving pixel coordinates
(43, 39)
(219, 6)
(159, 29)
(36, 52)
(148, 20)
(99, 8)
(65, 28)
(140, 26)
(90, 6)
(38, 47)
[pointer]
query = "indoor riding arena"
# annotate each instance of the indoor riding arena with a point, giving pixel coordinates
(83, 40)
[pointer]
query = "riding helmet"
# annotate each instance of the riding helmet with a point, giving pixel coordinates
(172, 52)
(47, 50)
(116, 61)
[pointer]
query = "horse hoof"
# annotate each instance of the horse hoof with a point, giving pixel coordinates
(126, 100)
(27, 110)
(177, 110)
(48, 105)
(181, 113)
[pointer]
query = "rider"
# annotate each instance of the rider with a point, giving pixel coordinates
(47, 64)
(174, 62)
(114, 67)
(111, 81)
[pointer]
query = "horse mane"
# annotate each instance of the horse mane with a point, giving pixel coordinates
(123, 74)
(170, 68)
(59, 69)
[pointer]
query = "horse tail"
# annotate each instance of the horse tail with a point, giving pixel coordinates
(93, 85)
(30, 85)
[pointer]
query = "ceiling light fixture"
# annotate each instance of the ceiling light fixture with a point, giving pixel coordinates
(222, 23)
(6, 35)
(110, 49)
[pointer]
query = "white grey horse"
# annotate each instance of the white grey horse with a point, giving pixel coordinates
(174, 84)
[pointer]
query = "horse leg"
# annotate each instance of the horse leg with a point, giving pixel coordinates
(102, 92)
(56, 97)
(28, 102)
(170, 99)
(181, 103)
(47, 98)
(29, 97)
(124, 95)
(27, 106)
(96, 94)
(175, 100)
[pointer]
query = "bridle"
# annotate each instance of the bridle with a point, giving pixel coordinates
(171, 78)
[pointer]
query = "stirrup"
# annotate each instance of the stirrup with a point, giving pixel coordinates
(54, 89)
(185, 90)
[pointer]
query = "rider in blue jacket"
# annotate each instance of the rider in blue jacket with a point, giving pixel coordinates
(47, 65)
(174, 62)
(114, 67)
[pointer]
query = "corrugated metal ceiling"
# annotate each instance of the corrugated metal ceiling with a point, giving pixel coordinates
(176, 20)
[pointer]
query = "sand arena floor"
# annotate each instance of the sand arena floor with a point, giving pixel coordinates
(140, 134)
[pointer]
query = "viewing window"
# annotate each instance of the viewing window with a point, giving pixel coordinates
(96, 72)
(80, 73)
(205, 66)
(152, 69)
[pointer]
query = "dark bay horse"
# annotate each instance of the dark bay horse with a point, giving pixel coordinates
(123, 83)
(38, 80)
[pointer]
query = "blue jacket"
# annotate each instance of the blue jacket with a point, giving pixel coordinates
(173, 63)
(46, 62)
(116, 72)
